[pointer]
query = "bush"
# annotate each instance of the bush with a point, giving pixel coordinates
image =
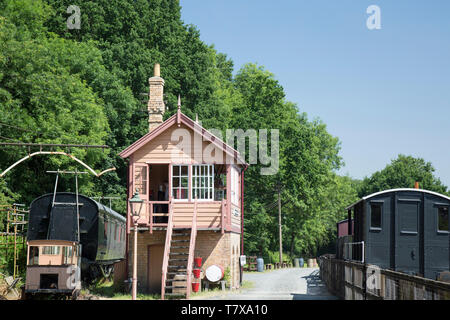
(274, 257)
(7, 260)
(227, 276)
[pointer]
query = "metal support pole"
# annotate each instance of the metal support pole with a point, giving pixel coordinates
(7, 233)
(56, 186)
(279, 225)
(134, 279)
(78, 207)
(15, 242)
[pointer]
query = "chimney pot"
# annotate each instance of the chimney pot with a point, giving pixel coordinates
(157, 70)
(416, 185)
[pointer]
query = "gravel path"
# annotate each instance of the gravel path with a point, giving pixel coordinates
(281, 284)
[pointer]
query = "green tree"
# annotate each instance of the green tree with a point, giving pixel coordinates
(403, 172)
(53, 103)
(135, 34)
(64, 86)
(308, 156)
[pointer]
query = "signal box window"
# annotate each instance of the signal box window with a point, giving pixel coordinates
(376, 210)
(140, 179)
(203, 182)
(234, 186)
(180, 182)
(443, 219)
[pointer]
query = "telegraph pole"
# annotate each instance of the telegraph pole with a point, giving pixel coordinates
(279, 222)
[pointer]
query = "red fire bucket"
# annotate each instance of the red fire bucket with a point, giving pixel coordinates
(196, 273)
(195, 286)
(198, 262)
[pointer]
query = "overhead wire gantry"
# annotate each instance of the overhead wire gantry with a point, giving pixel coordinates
(41, 146)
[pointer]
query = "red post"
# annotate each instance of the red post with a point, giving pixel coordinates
(148, 203)
(228, 198)
(222, 223)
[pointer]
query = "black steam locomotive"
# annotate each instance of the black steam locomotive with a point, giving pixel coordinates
(66, 245)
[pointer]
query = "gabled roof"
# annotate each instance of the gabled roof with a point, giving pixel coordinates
(397, 190)
(178, 119)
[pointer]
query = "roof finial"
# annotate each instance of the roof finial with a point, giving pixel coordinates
(179, 111)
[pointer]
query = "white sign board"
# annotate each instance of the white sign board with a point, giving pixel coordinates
(243, 260)
(214, 273)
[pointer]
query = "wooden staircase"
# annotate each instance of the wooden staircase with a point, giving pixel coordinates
(178, 258)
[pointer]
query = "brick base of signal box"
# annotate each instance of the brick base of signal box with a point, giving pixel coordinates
(212, 246)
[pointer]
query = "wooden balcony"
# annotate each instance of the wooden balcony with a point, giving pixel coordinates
(211, 215)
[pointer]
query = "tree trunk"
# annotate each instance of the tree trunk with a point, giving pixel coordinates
(292, 245)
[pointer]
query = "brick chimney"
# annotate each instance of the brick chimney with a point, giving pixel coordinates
(155, 105)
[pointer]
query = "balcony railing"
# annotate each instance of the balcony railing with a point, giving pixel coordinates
(354, 251)
(211, 214)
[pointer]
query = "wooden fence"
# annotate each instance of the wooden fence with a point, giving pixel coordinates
(252, 265)
(351, 280)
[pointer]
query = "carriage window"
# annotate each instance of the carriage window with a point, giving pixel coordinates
(105, 231)
(443, 219)
(375, 216)
(180, 182)
(51, 250)
(34, 256)
(67, 253)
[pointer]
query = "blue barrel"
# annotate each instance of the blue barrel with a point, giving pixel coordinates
(260, 264)
(302, 262)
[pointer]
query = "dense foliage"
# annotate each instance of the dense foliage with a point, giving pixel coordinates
(85, 86)
(403, 172)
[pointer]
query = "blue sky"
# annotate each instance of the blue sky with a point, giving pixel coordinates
(382, 92)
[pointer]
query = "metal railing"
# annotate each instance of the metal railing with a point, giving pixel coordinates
(354, 251)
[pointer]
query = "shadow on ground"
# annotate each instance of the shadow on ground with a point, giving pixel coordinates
(316, 289)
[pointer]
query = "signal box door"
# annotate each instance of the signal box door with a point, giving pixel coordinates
(154, 271)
